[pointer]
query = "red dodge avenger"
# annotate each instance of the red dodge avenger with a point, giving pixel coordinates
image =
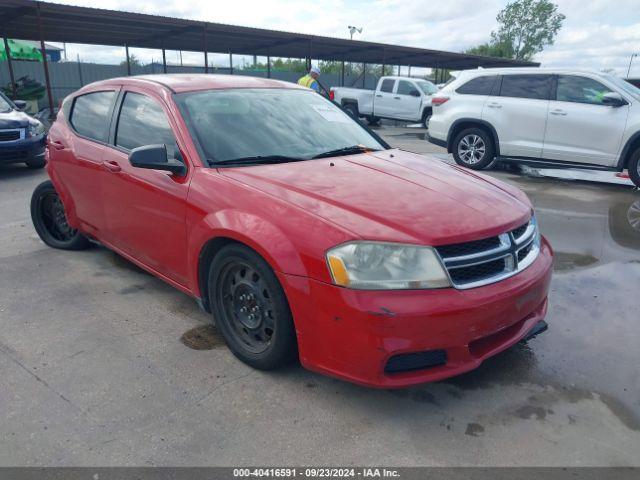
(301, 231)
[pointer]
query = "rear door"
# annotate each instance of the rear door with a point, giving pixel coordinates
(146, 209)
(519, 113)
(383, 103)
(408, 101)
(580, 128)
(77, 153)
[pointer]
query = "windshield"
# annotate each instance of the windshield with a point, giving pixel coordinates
(427, 87)
(626, 86)
(243, 123)
(5, 106)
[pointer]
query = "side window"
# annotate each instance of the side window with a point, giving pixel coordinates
(90, 115)
(478, 86)
(405, 88)
(580, 90)
(142, 121)
(526, 86)
(387, 85)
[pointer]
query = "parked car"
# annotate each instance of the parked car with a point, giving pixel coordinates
(397, 98)
(375, 265)
(22, 138)
(540, 117)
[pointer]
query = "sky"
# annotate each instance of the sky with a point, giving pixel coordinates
(597, 34)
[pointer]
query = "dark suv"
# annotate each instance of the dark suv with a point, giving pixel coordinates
(22, 138)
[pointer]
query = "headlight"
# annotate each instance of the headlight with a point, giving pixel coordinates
(35, 128)
(386, 266)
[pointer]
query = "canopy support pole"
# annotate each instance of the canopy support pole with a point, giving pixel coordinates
(342, 75)
(206, 55)
(364, 73)
(126, 50)
(231, 63)
(43, 50)
(164, 60)
(10, 65)
(268, 66)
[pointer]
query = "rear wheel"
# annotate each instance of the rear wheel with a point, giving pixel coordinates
(473, 148)
(250, 308)
(634, 168)
(50, 220)
(352, 109)
(373, 120)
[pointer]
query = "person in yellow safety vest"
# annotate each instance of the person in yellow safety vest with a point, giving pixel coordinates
(310, 79)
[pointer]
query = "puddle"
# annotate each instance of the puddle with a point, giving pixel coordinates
(565, 261)
(204, 337)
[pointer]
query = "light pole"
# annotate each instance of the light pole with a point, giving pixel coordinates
(353, 30)
(633, 55)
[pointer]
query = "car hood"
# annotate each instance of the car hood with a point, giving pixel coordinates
(13, 119)
(393, 196)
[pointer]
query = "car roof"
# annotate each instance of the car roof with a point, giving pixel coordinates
(187, 82)
(540, 70)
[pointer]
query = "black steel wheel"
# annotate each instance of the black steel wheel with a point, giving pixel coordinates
(250, 308)
(50, 220)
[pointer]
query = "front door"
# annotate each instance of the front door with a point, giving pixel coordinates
(146, 209)
(580, 128)
(408, 101)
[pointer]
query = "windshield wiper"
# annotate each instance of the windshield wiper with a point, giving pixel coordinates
(352, 150)
(255, 160)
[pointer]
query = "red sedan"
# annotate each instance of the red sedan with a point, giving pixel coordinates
(302, 232)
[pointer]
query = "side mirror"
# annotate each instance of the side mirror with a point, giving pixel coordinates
(414, 93)
(20, 104)
(613, 99)
(154, 157)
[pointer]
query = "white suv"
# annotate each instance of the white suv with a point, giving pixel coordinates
(543, 117)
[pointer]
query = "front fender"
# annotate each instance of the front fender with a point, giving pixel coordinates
(257, 233)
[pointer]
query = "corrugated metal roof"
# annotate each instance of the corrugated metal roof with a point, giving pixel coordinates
(65, 23)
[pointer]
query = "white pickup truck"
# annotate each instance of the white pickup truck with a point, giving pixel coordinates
(397, 98)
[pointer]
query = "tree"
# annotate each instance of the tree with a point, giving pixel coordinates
(528, 26)
(133, 61)
(491, 49)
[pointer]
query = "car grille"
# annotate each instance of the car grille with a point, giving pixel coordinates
(489, 260)
(10, 135)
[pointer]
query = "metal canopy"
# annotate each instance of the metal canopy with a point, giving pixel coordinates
(64, 23)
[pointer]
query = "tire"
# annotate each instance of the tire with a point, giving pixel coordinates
(239, 282)
(36, 164)
(352, 110)
(373, 121)
(425, 117)
(50, 221)
(633, 167)
(473, 148)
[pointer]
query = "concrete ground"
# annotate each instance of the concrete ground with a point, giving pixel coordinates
(102, 364)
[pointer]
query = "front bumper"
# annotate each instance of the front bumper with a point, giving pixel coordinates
(352, 334)
(25, 150)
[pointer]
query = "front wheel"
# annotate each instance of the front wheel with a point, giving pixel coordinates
(35, 164)
(50, 220)
(250, 308)
(425, 118)
(634, 168)
(473, 148)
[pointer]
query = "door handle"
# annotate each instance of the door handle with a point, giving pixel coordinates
(111, 166)
(57, 145)
(397, 98)
(494, 105)
(558, 112)
(380, 96)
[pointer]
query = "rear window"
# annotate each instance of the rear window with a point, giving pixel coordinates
(90, 115)
(387, 85)
(526, 86)
(478, 86)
